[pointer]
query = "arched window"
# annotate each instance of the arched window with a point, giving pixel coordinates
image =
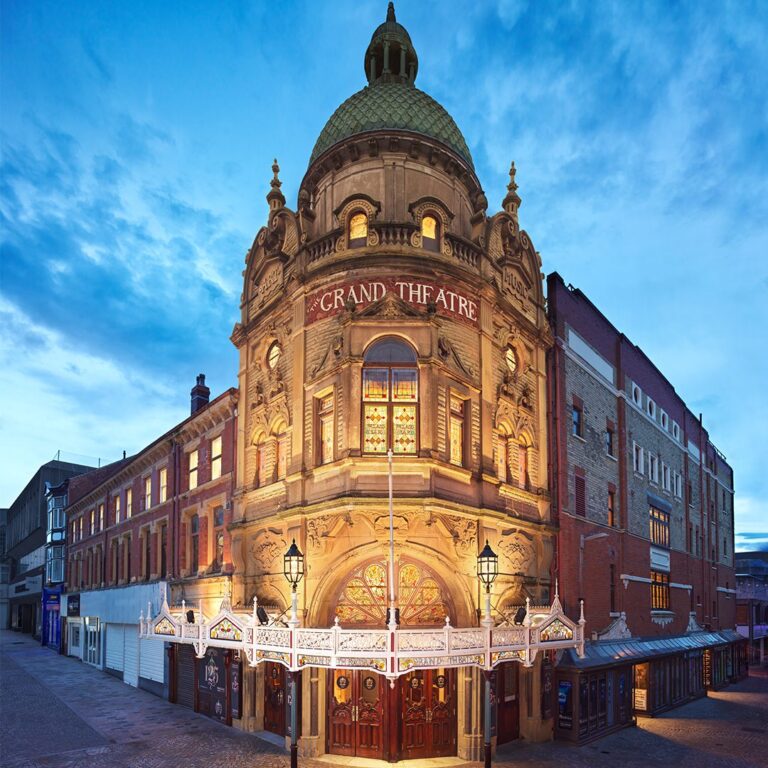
(430, 233)
(364, 598)
(390, 398)
(358, 230)
(281, 453)
(523, 469)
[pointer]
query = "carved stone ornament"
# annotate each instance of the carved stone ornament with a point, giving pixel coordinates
(518, 547)
(265, 548)
(463, 531)
(381, 524)
(448, 352)
(616, 630)
(318, 529)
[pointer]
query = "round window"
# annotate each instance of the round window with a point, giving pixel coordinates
(511, 358)
(273, 355)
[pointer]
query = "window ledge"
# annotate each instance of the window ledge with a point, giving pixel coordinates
(579, 438)
(612, 457)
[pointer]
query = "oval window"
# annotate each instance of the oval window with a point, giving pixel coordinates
(273, 355)
(511, 358)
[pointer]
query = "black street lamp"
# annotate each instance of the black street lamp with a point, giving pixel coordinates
(293, 570)
(487, 571)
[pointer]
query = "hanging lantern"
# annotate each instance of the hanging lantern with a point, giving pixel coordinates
(487, 566)
(293, 565)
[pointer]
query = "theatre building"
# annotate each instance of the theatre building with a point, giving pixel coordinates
(644, 504)
(390, 311)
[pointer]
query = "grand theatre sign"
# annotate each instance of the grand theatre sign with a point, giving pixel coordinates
(420, 294)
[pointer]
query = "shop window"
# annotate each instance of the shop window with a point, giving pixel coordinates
(659, 524)
(430, 233)
(390, 398)
(194, 544)
(358, 230)
(163, 476)
(325, 428)
(458, 407)
(193, 461)
(218, 538)
(659, 591)
(216, 458)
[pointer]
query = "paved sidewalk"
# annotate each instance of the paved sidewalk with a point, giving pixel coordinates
(57, 712)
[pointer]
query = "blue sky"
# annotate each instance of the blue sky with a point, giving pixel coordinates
(136, 146)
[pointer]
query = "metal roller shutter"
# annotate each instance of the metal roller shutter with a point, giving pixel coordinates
(152, 660)
(115, 646)
(131, 658)
(185, 676)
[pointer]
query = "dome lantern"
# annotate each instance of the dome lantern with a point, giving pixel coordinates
(391, 56)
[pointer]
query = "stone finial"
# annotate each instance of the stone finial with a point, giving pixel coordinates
(391, 12)
(512, 201)
(275, 197)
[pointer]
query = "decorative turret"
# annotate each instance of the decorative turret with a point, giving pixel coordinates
(512, 200)
(275, 197)
(391, 56)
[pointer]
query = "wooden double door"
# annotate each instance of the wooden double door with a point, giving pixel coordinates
(416, 719)
(275, 697)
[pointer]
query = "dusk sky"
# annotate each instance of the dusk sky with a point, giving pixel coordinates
(137, 140)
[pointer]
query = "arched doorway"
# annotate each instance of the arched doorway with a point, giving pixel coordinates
(416, 718)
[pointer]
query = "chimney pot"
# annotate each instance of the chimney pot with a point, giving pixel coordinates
(200, 394)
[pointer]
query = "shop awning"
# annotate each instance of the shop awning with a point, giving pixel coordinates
(635, 650)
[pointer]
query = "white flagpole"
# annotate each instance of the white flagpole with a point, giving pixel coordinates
(392, 620)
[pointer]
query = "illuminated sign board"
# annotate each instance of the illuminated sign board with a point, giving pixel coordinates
(447, 301)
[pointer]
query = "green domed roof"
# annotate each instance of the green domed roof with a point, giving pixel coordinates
(393, 105)
(391, 100)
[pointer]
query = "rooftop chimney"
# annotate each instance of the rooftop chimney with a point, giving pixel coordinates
(200, 394)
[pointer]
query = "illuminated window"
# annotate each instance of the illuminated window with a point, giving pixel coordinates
(429, 233)
(128, 503)
(659, 527)
(216, 457)
(101, 517)
(80, 528)
(273, 355)
(325, 428)
(147, 492)
(390, 397)
(611, 508)
(358, 230)
(193, 460)
(117, 509)
(659, 591)
(363, 600)
(163, 485)
(92, 525)
(457, 431)
(218, 538)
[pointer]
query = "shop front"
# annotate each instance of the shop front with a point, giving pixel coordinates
(51, 629)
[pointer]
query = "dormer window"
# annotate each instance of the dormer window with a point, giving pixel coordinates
(358, 230)
(430, 233)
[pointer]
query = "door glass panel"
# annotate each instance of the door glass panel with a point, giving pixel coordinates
(342, 686)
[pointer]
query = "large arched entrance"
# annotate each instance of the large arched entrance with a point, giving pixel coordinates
(367, 717)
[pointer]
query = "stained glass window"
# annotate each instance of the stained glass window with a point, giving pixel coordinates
(325, 418)
(389, 424)
(404, 429)
(358, 227)
(405, 385)
(363, 600)
(376, 384)
(457, 431)
(375, 428)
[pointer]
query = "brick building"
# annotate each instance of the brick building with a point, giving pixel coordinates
(154, 521)
(644, 504)
(752, 602)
